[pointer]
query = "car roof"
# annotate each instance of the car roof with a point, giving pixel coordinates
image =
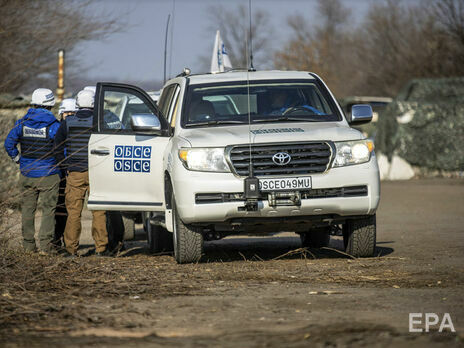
(252, 75)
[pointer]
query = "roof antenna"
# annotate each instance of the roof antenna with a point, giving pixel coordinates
(166, 47)
(171, 39)
(251, 183)
(251, 68)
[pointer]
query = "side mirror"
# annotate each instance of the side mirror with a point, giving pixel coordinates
(360, 113)
(146, 124)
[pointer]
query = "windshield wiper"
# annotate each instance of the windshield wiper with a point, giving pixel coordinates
(214, 123)
(284, 118)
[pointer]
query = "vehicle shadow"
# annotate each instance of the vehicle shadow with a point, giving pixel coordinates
(275, 248)
(259, 249)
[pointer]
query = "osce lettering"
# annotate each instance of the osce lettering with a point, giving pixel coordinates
(34, 132)
(128, 158)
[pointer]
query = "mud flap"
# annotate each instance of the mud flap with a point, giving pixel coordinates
(168, 220)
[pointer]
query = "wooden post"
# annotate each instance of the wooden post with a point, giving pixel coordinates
(60, 89)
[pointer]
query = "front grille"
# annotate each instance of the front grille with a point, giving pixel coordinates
(306, 158)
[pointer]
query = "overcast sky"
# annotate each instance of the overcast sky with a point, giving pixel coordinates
(137, 53)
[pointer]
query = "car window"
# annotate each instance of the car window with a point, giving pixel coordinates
(173, 104)
(119, 108)
(165, 99)
(174, 114)
(267, 101)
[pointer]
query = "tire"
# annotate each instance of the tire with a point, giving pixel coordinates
(316, 238)
(159, 239)
(188, 242)
(129, 228)
(359, 236)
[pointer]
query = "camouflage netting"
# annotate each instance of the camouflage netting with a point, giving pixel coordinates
(425, 125)
(11, 109)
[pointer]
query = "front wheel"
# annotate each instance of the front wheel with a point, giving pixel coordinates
(188, 242)
(359, 236)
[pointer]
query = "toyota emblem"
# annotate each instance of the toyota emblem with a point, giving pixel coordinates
(281, 158)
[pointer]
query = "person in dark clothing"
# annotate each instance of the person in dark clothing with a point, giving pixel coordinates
(67, 108)
(283, 101)
(39, 179)
(71, 146)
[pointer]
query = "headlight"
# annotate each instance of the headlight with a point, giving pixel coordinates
(206, 159)
(352, 152)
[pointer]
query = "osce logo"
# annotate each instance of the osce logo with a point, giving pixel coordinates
(129, 158)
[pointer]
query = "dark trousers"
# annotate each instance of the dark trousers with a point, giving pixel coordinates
(61, 214)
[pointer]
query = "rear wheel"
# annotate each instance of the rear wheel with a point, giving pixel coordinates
(359, 236)
(115, 230)
(316, 238)
(188, 242)
(129, 228)
(158, 238)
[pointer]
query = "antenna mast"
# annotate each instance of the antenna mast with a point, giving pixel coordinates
(251, 38)
(250, 183)
(166, 47)
(172, 34)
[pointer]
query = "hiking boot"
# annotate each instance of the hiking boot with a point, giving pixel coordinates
(68, 255)
(104, 253)
(48, 252)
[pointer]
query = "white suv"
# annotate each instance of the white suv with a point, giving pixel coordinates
(237, 152)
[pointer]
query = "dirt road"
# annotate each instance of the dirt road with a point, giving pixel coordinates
(263, 292)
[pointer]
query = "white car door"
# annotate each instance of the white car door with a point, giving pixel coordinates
(125, 162)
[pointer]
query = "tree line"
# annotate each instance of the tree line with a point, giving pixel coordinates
(395, 42)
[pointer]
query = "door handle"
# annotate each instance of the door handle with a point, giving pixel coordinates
(100, 152)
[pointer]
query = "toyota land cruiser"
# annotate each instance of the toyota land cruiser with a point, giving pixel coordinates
(232, 153)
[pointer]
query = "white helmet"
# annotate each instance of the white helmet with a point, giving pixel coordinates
(90, 88)
(43, 97)
(67, 105)
(85, 99)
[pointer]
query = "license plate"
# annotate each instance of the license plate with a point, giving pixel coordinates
(285, 184)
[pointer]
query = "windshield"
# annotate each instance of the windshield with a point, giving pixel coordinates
(269, 101)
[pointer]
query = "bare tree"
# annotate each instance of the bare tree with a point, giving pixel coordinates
(31, 32)
(450, 17)
(393, 44)
(324, 48)
(400, 43)
(234, 27)
(450, 14)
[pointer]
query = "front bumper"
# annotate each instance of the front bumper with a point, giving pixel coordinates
(187, 184)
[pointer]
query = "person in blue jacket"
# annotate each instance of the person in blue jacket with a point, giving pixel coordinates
(35, 134)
